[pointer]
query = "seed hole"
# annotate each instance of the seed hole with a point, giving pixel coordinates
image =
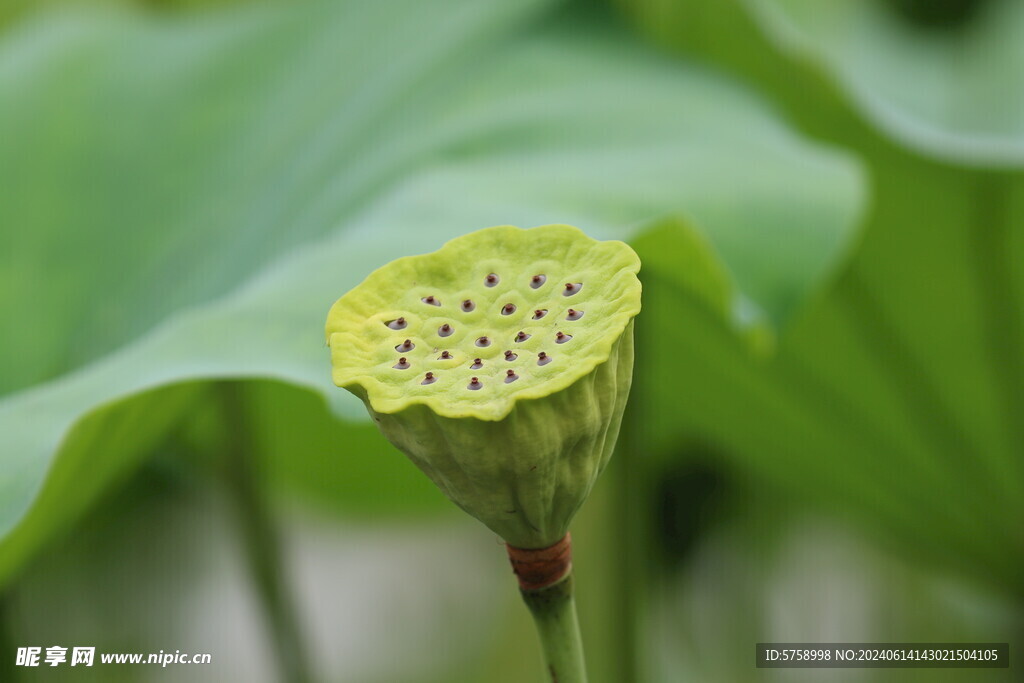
(483, 341)
(445, 330)
(522, 336)
(477, 364)
(468, 305)
(571, 288)
(431, 301)
(561, 338)
(573, 314)
(428, 378)
(402, 364)
(492, 280)
(540, 313)
(508, 309)
(543, 358)
(405, 346)
(397, 324)
(474, 383)
(537, 280)
(445, 355)
(511, 376)
(511, 356)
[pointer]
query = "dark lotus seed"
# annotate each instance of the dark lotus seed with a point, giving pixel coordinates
(561, 338)
(510, 356)
(483, 341)
(407, 345)
(571, 288)
(522, 336)
(491, 279)
(468, 305)
(402, 364)
(474, 383)
(397, 324)
(508, 309)
(543, 358)
(429, 378)
(511, 376)
(540, 313)
(445, 355)
(477, 364)
(445, 330)
(573, 314)
(537, 280)
(431, 300)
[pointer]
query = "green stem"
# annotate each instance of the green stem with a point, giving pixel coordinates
(554, 613)
(261, 539)
(630, 533)
(996, 261)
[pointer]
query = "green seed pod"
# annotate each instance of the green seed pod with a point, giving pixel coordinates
(500, 364)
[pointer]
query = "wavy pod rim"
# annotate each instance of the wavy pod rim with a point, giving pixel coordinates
(355, 321)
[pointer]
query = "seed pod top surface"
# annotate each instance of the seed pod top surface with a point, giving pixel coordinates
(444, 329)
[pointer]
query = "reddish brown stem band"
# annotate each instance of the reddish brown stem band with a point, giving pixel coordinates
(539, 568)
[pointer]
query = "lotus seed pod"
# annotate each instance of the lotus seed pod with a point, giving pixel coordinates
(494, 383)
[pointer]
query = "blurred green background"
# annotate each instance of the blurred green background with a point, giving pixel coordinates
(825, 440)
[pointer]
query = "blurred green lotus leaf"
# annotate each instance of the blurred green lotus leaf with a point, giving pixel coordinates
(194, 190)
(910, 362)
(946, 84)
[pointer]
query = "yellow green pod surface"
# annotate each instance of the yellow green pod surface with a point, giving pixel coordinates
(500, 364)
